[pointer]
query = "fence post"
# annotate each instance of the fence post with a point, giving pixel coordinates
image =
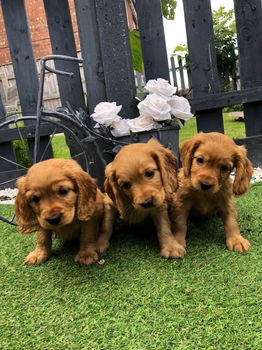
(116, 55)
(173, 67)
(6, 148)
(2, 110)
(91, 52)
(63, 43)
(23, 60)
(181, 72)
(203, 62)
(152, 37)
(249, 32)
(22, 55)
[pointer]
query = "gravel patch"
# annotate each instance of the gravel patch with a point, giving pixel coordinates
(7, 196)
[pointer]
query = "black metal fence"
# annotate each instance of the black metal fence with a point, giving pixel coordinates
(107, 62)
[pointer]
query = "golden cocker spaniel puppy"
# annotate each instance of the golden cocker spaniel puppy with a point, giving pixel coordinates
(58, 198)
(205, 186)
(141, 181)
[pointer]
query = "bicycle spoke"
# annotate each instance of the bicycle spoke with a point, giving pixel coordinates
(15, 163)
(48, 144)
(23, 141)
(20, 135)
(8, 181)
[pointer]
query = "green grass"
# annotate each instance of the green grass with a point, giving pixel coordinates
(211, 299)
(60, 148)
(233, 129)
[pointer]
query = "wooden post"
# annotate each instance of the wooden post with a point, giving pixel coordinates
(20, 45)
(2, 110)
(203, 62)
(91, 52)
(63, 43)
(181, 72)
(152, 36)
(249, 32)
(23, 60)
(173, 66)
(116, 55)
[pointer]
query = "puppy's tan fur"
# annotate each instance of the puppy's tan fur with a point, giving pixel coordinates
(59, 188)
(206, 188)
(141, 181)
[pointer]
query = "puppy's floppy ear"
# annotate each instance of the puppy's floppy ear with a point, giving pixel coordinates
(187, 151)
(110, 182)
(87, 191)
(244, 171)
(167, 163)
(112, 189)
(26, 218)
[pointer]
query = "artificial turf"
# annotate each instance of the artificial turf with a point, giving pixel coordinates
(211, 299)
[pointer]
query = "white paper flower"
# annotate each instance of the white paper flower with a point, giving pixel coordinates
(142, 123)
(120, 127)
(106, 112)
(160, 87)
(180, 107)
(155, 107)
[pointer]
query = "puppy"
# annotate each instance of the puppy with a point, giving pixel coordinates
(141, 181)
(205, 186)
(58, 198)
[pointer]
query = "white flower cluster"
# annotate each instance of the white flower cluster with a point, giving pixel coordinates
(161, 104)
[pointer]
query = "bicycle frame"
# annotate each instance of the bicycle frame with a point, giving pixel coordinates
(39, 108)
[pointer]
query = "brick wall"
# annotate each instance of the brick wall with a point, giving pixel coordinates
(38, 28)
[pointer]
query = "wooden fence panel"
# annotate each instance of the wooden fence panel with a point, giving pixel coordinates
(91, 52)
(6, 148)
(2, 110)
(181, 73)
(152, 37)
(116, 55)
(201, 46)
(63, 43)
(24, 65)
(22, 55)
(173, 69)
(249, 31)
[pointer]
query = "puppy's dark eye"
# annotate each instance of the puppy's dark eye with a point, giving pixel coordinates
(125, 185)
(35, 199)
(224, 168)
(200, 160)
(63, 191)
(149, 173)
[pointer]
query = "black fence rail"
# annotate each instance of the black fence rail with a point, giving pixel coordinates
(107, 62)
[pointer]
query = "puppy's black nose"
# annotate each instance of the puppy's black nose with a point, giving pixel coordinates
(148, 203)
(205, 186)
(54, 220)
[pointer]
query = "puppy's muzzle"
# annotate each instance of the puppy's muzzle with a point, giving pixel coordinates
(205, 186)
(148, 203)
(54, 220)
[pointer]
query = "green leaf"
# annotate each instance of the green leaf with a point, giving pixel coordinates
(168, 8)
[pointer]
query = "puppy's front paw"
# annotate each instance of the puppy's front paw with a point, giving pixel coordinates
(36, 257)
(172, 249)
(102, 245)
(86, 257)
(238, 244)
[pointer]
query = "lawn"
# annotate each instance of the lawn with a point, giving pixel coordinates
(136, 300)
(232, 128)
